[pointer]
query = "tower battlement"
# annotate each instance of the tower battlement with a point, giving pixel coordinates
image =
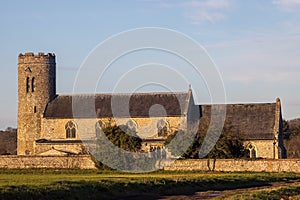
(30, 57)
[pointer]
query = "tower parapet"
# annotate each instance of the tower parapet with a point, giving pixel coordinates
(38, 58)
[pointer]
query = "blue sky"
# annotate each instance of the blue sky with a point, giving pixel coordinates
(255, 44)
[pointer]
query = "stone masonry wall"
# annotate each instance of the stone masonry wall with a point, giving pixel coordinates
(55, 128)
(229, 165)
(51, 162)
(85, 162)
(76, 148)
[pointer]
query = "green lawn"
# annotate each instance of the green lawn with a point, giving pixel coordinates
(79, 184)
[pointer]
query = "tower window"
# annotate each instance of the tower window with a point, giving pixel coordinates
(32, 84)
(34, 109)
(27, 84)
(70, 129)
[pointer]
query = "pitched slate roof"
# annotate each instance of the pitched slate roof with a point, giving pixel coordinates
(250, 121)
(100, 105)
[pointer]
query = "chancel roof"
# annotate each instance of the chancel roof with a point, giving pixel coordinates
(250, 121)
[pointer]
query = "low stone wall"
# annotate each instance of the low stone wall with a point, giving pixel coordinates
(51, 162)
(229, 165)
(85, 162)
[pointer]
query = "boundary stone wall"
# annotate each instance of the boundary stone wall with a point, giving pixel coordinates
(51, 162)
(86, 162)
(237, 165)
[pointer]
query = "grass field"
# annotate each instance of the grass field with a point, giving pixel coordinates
(79, 184)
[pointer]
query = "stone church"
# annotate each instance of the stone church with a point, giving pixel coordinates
(48, 125)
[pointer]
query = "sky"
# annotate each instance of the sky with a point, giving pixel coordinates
(254, 44)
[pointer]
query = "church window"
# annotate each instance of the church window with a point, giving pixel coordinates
(34, 109)
(252, 151)
(99, 126)
(32, 84)
(70, 129)
(27, 84)
(162, 128)
(132, 126)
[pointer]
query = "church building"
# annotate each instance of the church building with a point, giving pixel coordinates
(48, 124)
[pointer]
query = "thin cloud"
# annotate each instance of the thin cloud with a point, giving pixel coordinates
(198, 11)
(288, 5)
(201, 16)
(208, 10)
(255, 41)
(270, 60)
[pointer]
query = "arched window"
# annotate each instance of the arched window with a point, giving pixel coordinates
(132, 126)
(162, 128)
(27, 84)
(252, 151)
(98, 127)
(70, 129)
(32, 84)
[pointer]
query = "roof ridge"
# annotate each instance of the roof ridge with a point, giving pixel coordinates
(236, 104)
(119, 94)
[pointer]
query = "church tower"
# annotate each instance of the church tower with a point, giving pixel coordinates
(36, 87)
